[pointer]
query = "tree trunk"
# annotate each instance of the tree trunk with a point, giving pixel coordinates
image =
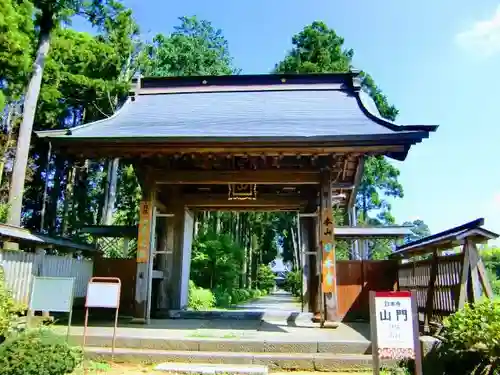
(295, 258)
(68, 197)
(110, 191)
(45, 188)
(55, 193)
(8, 127)
(24, 140)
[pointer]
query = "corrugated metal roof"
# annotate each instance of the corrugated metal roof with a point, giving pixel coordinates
(18, 234)
(299, 111)
(237, 114)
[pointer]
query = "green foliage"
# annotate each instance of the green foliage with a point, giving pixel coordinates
(4, 212)
(419, 230)
(491, 259)
(228, 298)
(318, 49)
(128, 197)
(9, 309)
(213, 261)
(293, 283)
(472, 339)
(265, 278)
(16, 46)
(38, 352)
(395, 371)
(194, 48)
(199, 298)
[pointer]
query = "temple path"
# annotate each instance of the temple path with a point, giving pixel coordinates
(278, 301)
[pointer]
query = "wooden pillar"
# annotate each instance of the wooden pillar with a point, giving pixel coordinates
(175, 235)
(180, 232)
(187, 243)
(431, 289)
(307, 249)
(312, 261)
(162, 264)
(144, 243)
(328, 269)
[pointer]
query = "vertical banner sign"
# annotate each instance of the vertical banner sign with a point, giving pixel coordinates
(394, 325)
(329, 277)
(327, 244)
(144, 236)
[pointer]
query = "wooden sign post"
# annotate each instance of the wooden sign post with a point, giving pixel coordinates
(394, 328)
(103, 292)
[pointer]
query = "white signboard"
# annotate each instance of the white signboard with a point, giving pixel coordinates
(103, 294)
(394, 328)
(54, 294)
(395, 335)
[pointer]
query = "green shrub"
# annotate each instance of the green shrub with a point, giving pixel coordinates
(265, 278)
(38, 352)
(472, 339)
(227, 298)
(293, 283)
(199, 298)
(9, 309)
(495, 285)
(222, 297)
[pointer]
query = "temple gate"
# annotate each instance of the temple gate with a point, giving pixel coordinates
(247, 142)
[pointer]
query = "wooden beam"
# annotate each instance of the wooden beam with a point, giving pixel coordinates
(262, 201)
(261, 177)
(133, 149)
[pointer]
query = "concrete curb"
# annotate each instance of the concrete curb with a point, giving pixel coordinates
(274, 361)
(229, 345)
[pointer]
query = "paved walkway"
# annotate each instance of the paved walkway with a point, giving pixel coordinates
(228, 329)
(278, 301)
(275, 324)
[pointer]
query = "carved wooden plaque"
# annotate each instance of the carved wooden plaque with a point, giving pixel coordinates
(242, 192)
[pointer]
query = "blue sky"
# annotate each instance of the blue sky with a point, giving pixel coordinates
(436, 61)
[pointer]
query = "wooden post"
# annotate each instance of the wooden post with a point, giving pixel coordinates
(429, 308)
(328, 270)
(473, 276)
(483, 275)
(144, 242)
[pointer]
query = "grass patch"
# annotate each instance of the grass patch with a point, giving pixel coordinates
(106, 368)
(202, 335)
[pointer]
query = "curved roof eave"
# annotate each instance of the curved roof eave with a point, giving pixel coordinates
(368, 107)
(69, 131)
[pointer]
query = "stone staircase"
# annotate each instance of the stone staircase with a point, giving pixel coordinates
(279, 354)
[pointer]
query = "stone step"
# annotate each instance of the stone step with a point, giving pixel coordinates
(274, 361)
(228, 345)
(246, 314)
(209, 369)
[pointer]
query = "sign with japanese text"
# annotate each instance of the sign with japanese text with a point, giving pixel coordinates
(327, 244)
(394, 323)
(144, 236)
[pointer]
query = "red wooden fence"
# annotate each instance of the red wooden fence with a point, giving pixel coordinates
(355, 279)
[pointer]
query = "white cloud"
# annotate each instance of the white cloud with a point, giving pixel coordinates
(483, 37)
